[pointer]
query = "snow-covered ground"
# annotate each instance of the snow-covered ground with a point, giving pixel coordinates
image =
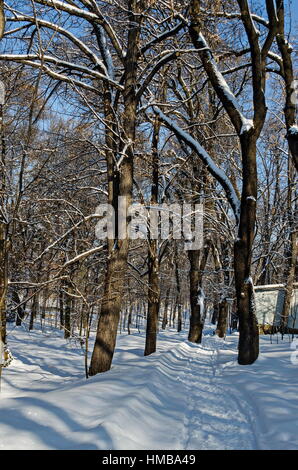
(183, 397)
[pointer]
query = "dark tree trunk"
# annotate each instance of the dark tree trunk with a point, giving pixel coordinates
(215, 313)
(248, 327)
(34, 311)
(129, 319)
(196, 324)
(4, 240)
(68, 309)
(290, 278)
(20, 309)
(198, 260)
(165, 312)
(3, 280)
(222, 319)
(153, 305)
(178, 285)
(44, 304)
(105, 341)
(153, 265)
(287, 71)
(61, 308)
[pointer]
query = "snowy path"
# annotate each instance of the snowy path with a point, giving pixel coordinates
(185, 396)
(213, 417)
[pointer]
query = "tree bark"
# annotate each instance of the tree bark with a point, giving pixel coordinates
(67, 311)
(165, 312)
(118, 249)
(291, 269)
(222, 319)
(34, 311)
(61, 308)
(3, 279)
(20, 309)
(195, 280)
(248, 328)
(153, 265)
(4, 239)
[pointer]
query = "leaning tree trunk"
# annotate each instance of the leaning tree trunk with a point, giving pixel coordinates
(105, 341)
(248, 328)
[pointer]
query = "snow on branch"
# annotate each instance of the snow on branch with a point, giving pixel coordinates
(162, 36)
(62, 237)
(93, 18)
(219, 83)
(30, 59)
(215, 171)
(83, 255)
(64, 32)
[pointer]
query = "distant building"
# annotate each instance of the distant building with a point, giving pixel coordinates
(269, 303)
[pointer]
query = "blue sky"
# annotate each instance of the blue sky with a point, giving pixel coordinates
(294, 10)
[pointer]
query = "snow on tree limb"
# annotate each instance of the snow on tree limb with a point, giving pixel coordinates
(93, 18)
(218, 81)
(217, 172)
(30, 59)
(64, 32)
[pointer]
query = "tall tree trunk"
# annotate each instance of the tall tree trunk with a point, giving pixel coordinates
(105, 341)
(44, 304)
(61, 308)
(222, 319)
(290, 111)
(68, 309)
(214, 318)
(3, 279)
(129, 319)
(20, 309)
(4, 241)
(153, 265)
(248, 328)
(287, 71)
(178, 286)
(153, 301)
(291, 260)
(198, 260)
(34, 311)
(165, 312)
(195, 281)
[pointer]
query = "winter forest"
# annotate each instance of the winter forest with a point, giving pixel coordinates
(148, 224)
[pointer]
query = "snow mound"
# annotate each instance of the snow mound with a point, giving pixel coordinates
(186, 396)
